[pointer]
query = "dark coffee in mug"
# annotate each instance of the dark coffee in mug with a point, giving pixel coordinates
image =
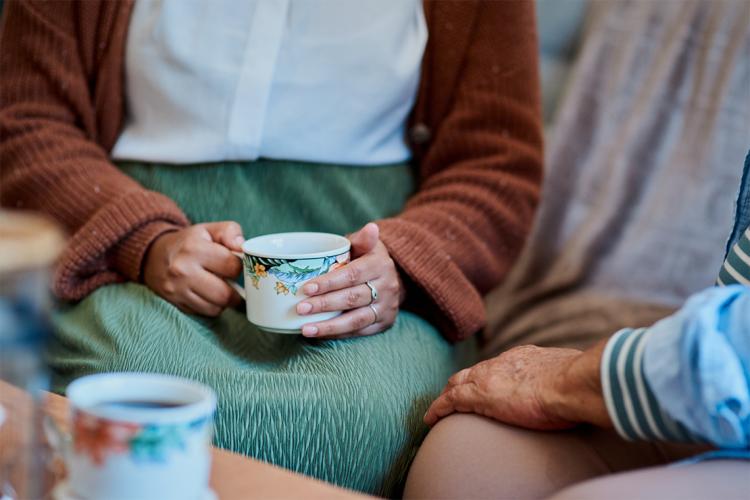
(135, 405)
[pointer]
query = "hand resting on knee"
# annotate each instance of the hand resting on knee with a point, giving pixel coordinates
(529, 386)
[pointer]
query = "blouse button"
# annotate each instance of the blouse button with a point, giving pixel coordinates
(420, 134)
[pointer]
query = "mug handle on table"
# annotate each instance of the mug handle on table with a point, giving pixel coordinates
(59, 440)
(234, 284)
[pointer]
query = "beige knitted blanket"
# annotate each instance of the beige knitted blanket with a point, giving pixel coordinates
(642, 170)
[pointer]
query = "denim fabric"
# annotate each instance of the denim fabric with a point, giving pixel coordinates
(742, 215)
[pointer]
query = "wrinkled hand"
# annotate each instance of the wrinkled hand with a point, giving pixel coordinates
(344, 289)
(188, 267)
(534, 387)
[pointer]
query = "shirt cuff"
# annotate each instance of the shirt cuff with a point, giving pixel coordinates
(631, 404)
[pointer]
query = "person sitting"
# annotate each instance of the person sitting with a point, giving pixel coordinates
(642, 164)
(139, 125)
(684, 379)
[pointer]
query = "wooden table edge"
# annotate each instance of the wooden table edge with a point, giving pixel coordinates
(233, 476)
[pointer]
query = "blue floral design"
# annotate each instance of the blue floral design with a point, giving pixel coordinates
(291, 274)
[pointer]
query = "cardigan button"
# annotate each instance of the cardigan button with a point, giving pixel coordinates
(420, 134)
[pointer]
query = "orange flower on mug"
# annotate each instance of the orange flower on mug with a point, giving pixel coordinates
(281, 289)
(98, 438)
(260, 270)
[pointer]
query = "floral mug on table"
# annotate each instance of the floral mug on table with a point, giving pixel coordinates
(136, 435)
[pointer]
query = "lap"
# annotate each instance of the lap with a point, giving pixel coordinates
(725, 479)
(346, 411)
(469, 456)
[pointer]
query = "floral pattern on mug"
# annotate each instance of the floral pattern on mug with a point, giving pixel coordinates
(290, 274)
(259, 271)
(99, 438)
(153, 441)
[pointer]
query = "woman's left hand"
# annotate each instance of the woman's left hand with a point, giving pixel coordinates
(345, 289)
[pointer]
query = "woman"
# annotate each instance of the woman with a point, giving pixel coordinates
(138, 125)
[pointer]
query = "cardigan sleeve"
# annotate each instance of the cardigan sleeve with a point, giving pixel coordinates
(480, 177)
(51, 161)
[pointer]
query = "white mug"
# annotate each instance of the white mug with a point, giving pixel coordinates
(136, 435)
(276, 266)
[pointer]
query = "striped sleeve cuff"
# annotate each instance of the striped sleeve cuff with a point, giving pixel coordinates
(736, 268)
(630, 402)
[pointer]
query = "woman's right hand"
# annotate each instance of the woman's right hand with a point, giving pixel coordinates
(542, 388)
(188, 267)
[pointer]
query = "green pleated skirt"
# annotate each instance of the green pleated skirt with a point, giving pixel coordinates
(345, 411)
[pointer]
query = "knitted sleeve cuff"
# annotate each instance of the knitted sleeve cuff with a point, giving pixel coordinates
(128, 256)
(110, 247)
(439, 290)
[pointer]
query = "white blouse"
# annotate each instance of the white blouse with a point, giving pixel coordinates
(311, 80)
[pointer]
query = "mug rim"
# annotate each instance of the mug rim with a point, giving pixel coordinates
(344, 246)
(204, 403)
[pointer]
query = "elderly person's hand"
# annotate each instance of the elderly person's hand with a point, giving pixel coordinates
(529, 386)
(345, 289)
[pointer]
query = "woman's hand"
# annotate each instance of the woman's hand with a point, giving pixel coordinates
(188, 267)
(534, 387)
(345, 290)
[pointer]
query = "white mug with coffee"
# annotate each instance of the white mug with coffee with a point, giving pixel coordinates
(137, 435)
(277, 265)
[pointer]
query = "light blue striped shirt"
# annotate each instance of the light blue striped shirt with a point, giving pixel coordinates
(687, 378)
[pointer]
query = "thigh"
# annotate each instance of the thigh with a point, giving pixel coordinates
(469, 456)
(725, 479)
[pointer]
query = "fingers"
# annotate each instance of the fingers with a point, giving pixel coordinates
(212, 289)
(365, 240)
(373, 329)
(209, 255)
(340, 300)
(192, 303)
(349, 322)
(355, 273)
(459, 378)
(185, 267)
(228, 233)
(461, 398)
(438, 409)
(220, 261)
(345, 289)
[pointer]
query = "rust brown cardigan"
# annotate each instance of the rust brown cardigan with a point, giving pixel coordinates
(475, 131)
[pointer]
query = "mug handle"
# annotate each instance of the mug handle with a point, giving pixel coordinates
(59, 440)
(234, 284)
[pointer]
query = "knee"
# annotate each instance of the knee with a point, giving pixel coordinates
(436, 469)
(469, 456)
